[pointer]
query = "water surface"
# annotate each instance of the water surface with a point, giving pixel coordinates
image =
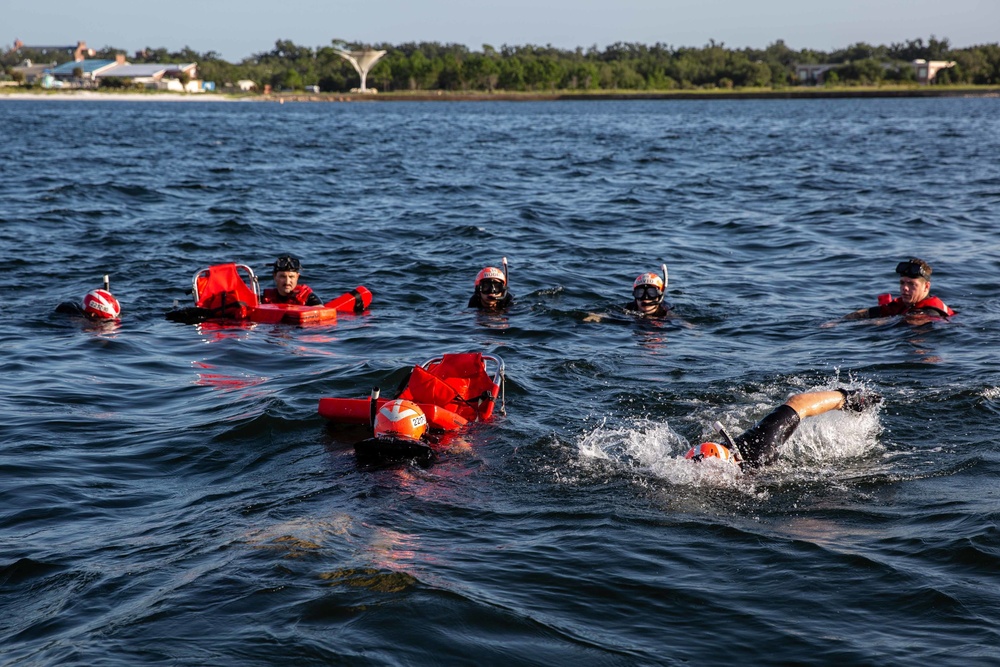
(171, 496)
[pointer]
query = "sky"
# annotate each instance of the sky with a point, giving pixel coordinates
(237, 29)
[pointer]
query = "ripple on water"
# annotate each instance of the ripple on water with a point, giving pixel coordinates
(158, 477)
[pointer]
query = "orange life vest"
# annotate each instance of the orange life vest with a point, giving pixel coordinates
(898, 307)
(299, 296)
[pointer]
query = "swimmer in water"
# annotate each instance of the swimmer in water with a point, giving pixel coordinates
(399, 428)
(286, 271)
(491, 293)
(648, 291)
(759, 445)
(915, 298)
(98, 305)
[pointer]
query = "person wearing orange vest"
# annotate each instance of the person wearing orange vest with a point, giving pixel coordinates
(286, 272)
(915, 300)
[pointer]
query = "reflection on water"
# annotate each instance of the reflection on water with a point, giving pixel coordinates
(224, 380)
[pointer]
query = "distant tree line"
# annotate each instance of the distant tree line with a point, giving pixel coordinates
(621, 66)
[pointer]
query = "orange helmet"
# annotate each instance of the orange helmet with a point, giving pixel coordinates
(492, 281)
(649, 287)
(708, 450)
(400, 419)
(99, 304)
(491, 273)
(649, 279)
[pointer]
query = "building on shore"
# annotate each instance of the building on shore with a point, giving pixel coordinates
(152, 76)
(80, 51)
(925, 71)
(29, 72)
(813, 73)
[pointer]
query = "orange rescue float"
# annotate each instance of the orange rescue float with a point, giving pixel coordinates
(452, 390)
(231, 292)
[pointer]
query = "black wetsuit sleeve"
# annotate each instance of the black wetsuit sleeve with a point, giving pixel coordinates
(69, 308)
(314, 300)
(759, 446)
(476, 302)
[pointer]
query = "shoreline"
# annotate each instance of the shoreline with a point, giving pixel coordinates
(443, 96)
(93, 96)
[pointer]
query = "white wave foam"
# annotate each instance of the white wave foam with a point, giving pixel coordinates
(657, 450)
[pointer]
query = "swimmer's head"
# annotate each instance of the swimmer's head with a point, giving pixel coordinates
(915, 268)
(648, 291)
(400, 419)
(914, 280)
(287, 263)
(100, 304)
(286, 271)
(491, 285)
(707, 450)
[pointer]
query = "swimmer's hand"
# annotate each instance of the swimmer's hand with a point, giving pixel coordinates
(859, 400)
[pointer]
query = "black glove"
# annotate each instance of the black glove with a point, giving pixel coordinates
(858, 400)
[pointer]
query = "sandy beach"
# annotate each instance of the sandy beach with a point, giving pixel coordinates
(91, 95)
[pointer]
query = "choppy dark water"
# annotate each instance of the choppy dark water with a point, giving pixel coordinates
(168, 495)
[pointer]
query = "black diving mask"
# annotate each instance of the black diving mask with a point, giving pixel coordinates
(911, 270)
(491, 287)
(647, 293)
(287, 263)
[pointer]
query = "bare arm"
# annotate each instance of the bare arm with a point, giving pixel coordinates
(862, 314)
(812, 403)
(815, 403)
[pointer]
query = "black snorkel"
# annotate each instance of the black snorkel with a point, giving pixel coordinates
(721, 430)
(374, 407)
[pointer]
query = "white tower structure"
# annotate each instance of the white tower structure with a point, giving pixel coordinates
(363, 61)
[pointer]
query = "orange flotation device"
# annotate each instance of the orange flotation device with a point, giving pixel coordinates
(887, 306)
(355, 301)
(291, 313)
(232, 292)
(223, 292)
(452, 390)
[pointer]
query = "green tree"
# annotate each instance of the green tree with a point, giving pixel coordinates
(421, 71)
(481, 71)
(583, 76)
(621, 65)
(511, 76)
(450, 73)
(292, 80)
(867, 72)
